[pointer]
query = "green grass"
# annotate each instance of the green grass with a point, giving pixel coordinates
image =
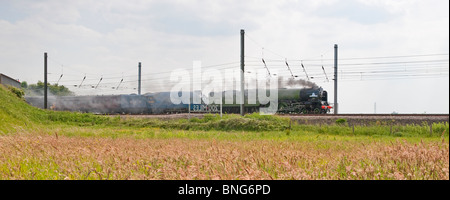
(251, 122)
(380, 130)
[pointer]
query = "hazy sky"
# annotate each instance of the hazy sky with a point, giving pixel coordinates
(392, 53)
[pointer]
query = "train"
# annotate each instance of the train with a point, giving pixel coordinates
(290, 101)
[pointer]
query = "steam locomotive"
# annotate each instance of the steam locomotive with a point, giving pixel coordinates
(304, 100)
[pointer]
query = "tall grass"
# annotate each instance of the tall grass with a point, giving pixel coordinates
(37, 156)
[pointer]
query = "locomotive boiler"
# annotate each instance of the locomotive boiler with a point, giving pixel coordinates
(292, 100)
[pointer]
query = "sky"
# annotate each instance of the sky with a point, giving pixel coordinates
(392, 55)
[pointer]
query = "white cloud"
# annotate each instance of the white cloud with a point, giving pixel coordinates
(105, 37)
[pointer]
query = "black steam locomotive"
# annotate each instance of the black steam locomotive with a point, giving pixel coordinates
(305, 100)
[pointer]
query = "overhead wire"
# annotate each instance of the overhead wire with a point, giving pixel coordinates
(385, 70)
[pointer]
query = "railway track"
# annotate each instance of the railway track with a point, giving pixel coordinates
(307, 115)
(317, 115)
(368, 115)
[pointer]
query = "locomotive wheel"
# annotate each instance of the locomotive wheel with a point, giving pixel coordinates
(281, 107)
(316, 111)
(303, 111)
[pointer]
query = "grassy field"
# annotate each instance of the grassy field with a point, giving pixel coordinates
(40, 144)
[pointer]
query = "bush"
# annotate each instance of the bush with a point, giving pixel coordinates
(341, 121)
(215, 122)
(210, 117)
(18, 92)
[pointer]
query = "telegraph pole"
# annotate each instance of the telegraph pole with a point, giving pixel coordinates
(139, 82)
(335, 78)
(242, 71)
(45, 80)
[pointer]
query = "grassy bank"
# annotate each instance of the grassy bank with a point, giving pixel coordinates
(17, 115)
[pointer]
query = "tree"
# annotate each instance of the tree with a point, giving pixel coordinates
(24, 85)
(17, 91)
(55, 89)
